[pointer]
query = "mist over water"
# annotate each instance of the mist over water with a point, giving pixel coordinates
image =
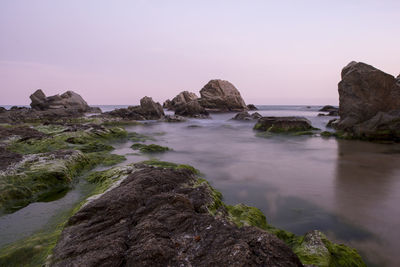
(347, 189)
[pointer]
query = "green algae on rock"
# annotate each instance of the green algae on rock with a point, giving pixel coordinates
(152, 148)
(166, 164)
(38, 176)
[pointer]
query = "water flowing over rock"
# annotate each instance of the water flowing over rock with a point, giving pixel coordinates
(148, 110)
(160, 217)
(369, 102)
(68, 100)
(220, 95)
(283, 124)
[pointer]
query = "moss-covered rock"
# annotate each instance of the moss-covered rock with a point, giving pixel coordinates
(152, 148)
(292, 125)
(314, 248)
(38, 176)
(166, 164)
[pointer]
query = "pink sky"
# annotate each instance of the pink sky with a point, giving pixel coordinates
(115, 52)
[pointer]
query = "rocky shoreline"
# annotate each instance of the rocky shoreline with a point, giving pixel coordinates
(135, 209)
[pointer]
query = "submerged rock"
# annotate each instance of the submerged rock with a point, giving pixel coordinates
(283, 124)
(220, 95)
(160, 217)
(369, 103)
(246, 116)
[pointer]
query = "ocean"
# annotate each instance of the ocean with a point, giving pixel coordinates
(350, 190)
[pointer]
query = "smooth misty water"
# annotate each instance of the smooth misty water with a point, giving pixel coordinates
(348, 189)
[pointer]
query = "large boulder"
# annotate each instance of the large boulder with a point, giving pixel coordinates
(283, 124)
(68, 100)
(363, 92)
(161, 217)
(220, 95)
(150, 109)
(369, 103)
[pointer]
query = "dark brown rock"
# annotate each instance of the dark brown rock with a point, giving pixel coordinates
(173, 118)
(251, 107)
(157, 217)
(220, 95)
(329, 108)
(2, 109)
(283, 124)
(167, 104)
(245, 116)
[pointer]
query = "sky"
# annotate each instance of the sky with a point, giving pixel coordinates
(116, 52)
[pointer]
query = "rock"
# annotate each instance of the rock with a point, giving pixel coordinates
(332, 123)
(27, 115)
(220, 95)
(68, 100)
(245, 116)
(251, 107)
(181, 99)
(2, 109)
(173, 118)
(160, 217)
(283, 124)
(329, 108)
(191, 109)
(37, 176)
(363, 92)
(148, 110)
(369, 103)
(167, 104)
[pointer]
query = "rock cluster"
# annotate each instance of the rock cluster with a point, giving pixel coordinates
(369, 103)
(68, 100)
(148, 110)
(216, 96)
(160, 217)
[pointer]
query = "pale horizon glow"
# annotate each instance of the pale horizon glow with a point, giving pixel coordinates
(116, 52)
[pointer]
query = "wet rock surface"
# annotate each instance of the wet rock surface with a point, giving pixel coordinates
(160, 217)
(191, 109)
(251, 107)
(220, 95)
(283, 124)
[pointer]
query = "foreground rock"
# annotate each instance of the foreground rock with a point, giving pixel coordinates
(148, 110)
(160, 217)
(283, 124)
(220, 95)
(68, 100)
(246, 116)
(369, 103)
